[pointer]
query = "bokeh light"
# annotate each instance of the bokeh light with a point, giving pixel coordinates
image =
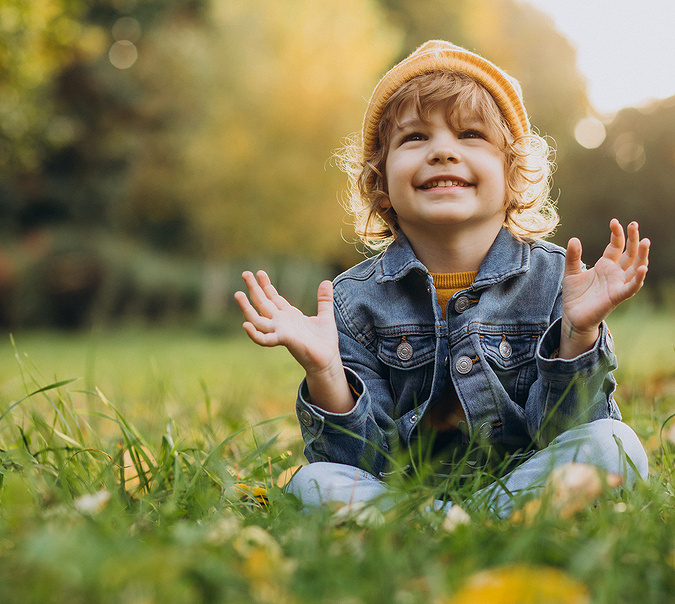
(590, 132)
(629, 152)
(123, 54)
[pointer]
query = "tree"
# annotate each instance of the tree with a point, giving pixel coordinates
(38, 38)
(266, 93)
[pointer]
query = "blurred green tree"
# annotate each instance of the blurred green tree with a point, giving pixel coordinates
(38, 38)
(210, 132)
(261, 95)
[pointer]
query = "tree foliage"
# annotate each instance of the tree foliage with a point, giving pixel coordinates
(38, 38)
(217, 141)
(267, 92)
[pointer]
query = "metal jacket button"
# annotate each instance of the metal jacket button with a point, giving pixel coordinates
(505, 349)
(413, 418)
(461, 304)
(404, 351)
(464, 365)
(609, 342)
(485, 430)
(305, 418)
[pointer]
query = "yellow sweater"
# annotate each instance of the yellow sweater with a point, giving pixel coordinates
(446, 412)
(448, 284)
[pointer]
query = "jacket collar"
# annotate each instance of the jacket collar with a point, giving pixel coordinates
(506, 257)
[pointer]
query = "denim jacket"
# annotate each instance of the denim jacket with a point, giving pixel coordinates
(497, 347)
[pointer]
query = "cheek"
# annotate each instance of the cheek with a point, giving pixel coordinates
(500, 184)
(387, 183)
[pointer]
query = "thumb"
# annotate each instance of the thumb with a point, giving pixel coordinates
(324, 297)
(573, 257)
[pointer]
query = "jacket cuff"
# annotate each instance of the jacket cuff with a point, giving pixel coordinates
(553, 369)
(314, 420)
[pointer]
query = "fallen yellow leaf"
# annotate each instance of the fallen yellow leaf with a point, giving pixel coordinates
(286, 475)
(455, 517)
(528, 512)
(572, 487)
(522, 584)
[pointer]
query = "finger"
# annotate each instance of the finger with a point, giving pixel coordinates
(242, 300)
(632, 245)
(617, 241)
(641, 262)
(633, 286)
(324, 298)
(270, 291)
(573, 257)
(251, 315)
(260, 338)
(258, 297)
(640, 268)
(264, 280)
(642, 258)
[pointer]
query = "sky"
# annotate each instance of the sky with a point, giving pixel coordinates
(625, 48)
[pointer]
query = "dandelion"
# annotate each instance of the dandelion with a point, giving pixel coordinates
(258, 494)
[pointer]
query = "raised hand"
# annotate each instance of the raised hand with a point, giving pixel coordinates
(590, 296)
(313, 341)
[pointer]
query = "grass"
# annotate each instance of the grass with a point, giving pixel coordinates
(124, 485)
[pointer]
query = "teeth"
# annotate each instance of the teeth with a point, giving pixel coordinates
(444, 183)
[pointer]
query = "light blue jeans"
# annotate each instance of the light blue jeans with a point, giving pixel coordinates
(608, 444)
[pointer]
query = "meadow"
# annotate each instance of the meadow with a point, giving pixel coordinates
(146, 465)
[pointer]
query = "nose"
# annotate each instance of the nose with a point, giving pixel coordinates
(444, 150)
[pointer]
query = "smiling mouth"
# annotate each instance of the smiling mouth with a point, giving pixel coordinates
(432, 184)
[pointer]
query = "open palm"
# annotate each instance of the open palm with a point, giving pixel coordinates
(272, 321)
(589, 296)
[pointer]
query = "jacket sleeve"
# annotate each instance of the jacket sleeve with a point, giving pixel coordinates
(364, 437)
(569, 392)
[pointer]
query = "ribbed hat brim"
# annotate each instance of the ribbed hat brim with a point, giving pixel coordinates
(438, 55)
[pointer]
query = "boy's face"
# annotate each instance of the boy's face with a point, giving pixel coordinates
(442, 175)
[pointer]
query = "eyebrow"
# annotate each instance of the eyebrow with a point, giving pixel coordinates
(410, 123)
(471, 122)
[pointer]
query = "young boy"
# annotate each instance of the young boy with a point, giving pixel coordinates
(467, 326)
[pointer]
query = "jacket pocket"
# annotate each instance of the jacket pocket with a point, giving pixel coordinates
(410, 361)
(511, 356)
(508, 350)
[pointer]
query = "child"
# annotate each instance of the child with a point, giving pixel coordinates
(467, 326)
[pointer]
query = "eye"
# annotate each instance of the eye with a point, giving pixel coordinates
(412, 137)
(471, 133)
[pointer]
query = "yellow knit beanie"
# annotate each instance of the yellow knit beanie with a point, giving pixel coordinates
(437, 55)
